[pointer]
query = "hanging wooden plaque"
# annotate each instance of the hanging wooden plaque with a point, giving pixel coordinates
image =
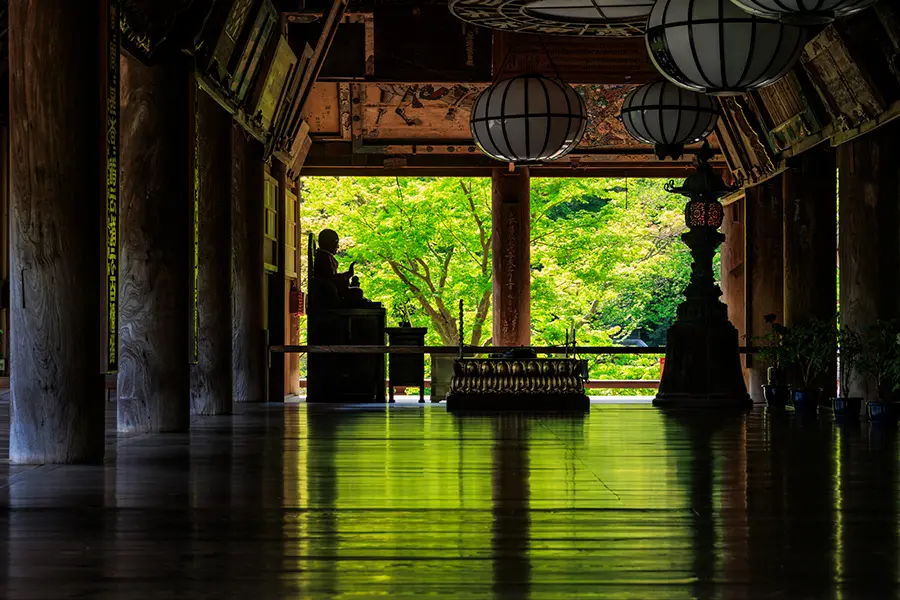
(247, 59)
(790, 118)
(844, 88)
(271, 85)
(226, 23)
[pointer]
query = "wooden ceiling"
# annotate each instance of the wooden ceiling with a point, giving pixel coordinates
(396, 90)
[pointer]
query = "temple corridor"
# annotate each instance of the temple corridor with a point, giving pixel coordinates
(298, 501)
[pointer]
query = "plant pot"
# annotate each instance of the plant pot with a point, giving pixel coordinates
(879, 410)
(805, 399)
(777, 395)
(846, 408)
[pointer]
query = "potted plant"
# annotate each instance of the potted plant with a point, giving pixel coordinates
(878, 366)
(849, 350)
(774, 352)
(809, 349)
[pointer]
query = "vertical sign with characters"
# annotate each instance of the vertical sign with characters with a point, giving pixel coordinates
(111, 211)
(195, 221)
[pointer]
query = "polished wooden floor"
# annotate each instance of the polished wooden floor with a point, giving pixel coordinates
(299, 501)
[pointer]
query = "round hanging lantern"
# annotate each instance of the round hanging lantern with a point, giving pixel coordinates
(714, 47)
(528, 119)
(668, 117)
(803, 12)
(591, 11)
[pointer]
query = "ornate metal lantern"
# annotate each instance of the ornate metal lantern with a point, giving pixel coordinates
(700, 213)
(803, 12)
(528, 119)
(667, 116)
(591, 11)
(714, 47)
(703, 366)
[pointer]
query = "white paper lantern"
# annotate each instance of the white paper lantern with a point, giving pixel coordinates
(587, 11)
(803, 12)
(668, 117)
(714, 47)
(528, 119)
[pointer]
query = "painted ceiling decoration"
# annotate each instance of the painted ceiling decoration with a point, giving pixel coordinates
(518, 16)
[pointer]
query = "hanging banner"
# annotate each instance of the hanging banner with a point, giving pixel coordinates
(112, 185)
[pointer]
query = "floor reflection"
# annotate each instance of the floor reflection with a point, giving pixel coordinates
(303, 501)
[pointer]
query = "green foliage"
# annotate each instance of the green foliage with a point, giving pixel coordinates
(810, 348)
(606, 256)
(773, 350)
(879, 358)
(420, 241)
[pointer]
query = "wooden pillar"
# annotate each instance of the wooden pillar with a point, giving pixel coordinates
(732, 265)
(764, 268)
(511, 250)
(810, 243)
(211, 378)
(56, 200)
(156, 249)
(247, 326)
(277, 297)
(870, 231)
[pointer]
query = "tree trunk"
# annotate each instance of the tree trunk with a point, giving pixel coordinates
(155, 289)
(56, 195)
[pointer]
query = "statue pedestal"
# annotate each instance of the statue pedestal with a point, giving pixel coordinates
(346, 378)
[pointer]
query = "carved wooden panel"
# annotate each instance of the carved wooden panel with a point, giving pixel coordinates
(845, 90)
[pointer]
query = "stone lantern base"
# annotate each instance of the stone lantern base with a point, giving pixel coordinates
(703, 368)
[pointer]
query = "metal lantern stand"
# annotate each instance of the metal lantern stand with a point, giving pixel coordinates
(702, 367)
